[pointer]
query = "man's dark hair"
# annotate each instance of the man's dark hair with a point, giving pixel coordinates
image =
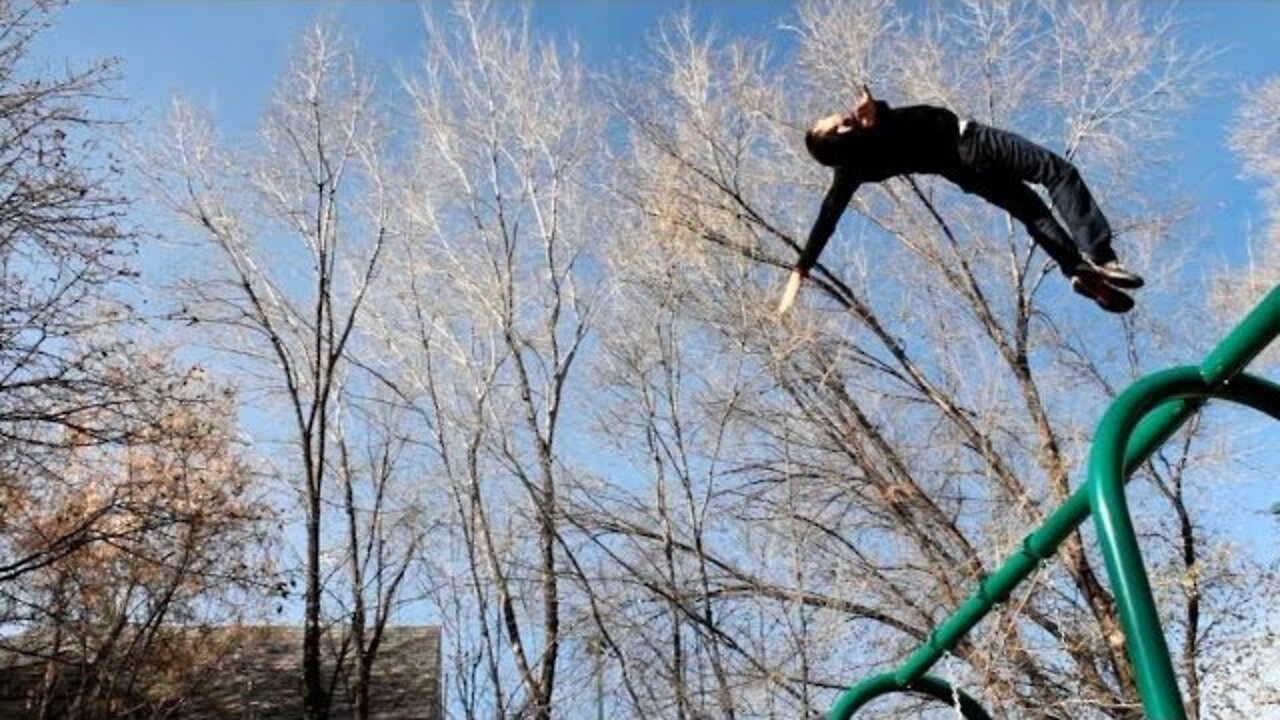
(825, 147)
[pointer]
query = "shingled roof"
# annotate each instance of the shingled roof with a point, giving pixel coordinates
(258, 675)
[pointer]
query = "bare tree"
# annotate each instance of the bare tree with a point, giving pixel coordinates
(65, 256)
(493, 285)
(1257, 141)
(126, 506)
(645, 493)
(897, 440)
(384, 534)
(297, 225)
(179, 542)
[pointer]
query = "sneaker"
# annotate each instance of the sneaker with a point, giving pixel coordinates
(1094, 287)
(1111, 271)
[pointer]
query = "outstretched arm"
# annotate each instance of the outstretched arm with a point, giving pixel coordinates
(837, 199)
(833, 205)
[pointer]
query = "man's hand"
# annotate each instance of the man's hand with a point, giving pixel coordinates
(865, 110)
(789, 295)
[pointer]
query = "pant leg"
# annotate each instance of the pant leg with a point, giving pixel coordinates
(1026, 207)
(998, 155)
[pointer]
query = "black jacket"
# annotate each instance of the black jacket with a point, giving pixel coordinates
(914, 139)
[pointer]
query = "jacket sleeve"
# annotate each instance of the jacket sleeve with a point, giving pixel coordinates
(838, 196)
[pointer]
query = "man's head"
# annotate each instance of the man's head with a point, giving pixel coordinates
(826, 138)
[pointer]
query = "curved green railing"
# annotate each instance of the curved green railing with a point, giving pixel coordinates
(1138, 422)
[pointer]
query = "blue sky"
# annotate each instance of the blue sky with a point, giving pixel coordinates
(225, 56)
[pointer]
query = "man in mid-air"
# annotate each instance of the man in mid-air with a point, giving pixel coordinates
(875, 142)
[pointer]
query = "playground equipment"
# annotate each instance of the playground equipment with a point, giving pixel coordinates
(1141, 419)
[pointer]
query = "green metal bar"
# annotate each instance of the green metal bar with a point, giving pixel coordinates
(1245, 342)
(1217, 375)
(1160, 420)
(1154, 429)
(1148, 652)
(932, 686)
(1036, 547)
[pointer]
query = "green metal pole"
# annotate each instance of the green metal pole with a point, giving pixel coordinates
(1244, 343)
(1154, 429)
(1036, 547)
(929, 685)
(1139, 617)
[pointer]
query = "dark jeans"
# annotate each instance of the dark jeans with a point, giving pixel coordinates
(996, 165)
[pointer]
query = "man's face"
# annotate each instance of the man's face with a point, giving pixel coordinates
(834, 124)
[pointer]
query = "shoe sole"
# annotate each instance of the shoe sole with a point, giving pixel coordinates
(1107, 297)
(1125, 281)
